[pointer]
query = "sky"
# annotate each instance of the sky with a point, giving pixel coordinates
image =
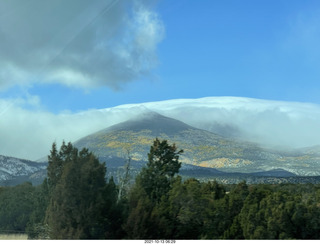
(61, 58)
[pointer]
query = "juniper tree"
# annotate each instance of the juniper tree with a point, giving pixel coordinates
(151, 187)
(80, 200)
(163, 164)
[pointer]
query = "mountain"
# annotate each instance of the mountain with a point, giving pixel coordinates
(137, 135)
(14, 171)
(202, 148)
(278, 124)
(152, 121)
(207, 155)
(213, 131)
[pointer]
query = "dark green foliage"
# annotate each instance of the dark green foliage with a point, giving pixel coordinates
(190, 201)
(146, 213)
(36, 228)
(163, 164)
(55, 166)
(80, 199)
(16, 207)
(139, 224)
(195, 210)
(76, 202)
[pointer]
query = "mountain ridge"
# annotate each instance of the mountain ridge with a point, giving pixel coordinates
(202, 148)
(14, 170)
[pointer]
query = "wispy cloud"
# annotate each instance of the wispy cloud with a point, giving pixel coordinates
(77, 42)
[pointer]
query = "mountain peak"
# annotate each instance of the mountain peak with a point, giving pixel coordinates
(152, 121)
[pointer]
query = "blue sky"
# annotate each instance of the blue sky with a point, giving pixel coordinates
(174, 49)
(262, 49)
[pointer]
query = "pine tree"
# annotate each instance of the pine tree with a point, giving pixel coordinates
(54, 169)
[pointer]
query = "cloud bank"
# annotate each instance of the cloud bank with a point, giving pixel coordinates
(29, 133)
(80, 43)
(270, 123)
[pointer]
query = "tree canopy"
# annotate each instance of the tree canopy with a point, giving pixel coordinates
(76, 201)
(80, 199)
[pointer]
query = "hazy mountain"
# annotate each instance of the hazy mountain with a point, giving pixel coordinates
(213, 131)
(14, 171)
(206, 154)
(154, 122)
(201, 147)
(277, 124)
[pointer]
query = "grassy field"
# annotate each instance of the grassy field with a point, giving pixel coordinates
(13, 236)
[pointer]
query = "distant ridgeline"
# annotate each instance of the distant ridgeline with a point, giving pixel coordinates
(15, 171)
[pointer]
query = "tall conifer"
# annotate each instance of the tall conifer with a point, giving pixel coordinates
(80, 197)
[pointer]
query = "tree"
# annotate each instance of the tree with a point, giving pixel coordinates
(16, 207)
(80, 199)
(163, 164)
(36, 229)
(55, 166)
(188, 204)
(152, 185)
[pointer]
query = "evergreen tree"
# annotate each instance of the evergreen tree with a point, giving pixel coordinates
(151, 188)
(55, 167)
(188, 204)
(80, 198)
(16, 207)
(163, 164)
(36, 229)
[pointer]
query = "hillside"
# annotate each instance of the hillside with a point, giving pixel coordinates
(207, 155)
(14, 171)
(201, 148)
(137, 135)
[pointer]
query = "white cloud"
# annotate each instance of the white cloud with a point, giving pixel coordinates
(271, 123)
(30, 133)
(77, 42)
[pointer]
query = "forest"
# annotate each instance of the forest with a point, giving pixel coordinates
(76, 201)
